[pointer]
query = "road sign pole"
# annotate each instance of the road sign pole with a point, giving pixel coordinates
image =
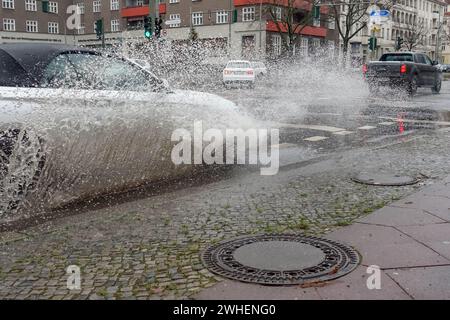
(103, 33)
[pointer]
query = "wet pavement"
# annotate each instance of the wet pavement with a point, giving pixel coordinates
(147, 246)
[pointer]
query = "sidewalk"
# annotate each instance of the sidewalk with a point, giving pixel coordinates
(409, 240)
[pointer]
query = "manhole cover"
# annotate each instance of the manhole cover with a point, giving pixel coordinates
(385, 179)
(284, 259)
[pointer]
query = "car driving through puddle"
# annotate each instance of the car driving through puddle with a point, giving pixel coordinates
(76, 123)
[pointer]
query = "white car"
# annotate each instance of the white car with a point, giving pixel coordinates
(259, 67)
(239, 72)
(75, 124)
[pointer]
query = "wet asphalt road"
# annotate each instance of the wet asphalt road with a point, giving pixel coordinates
(326, 124)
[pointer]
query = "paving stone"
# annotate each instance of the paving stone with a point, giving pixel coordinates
(424, 283)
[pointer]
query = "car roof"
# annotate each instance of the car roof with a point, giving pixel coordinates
(32, 58)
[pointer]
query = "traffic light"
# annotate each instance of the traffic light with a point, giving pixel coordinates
(316, 12)
(99, 28)
(398, 43)
(372, 43)
(158, 22)
(45, 6)
(148, 30)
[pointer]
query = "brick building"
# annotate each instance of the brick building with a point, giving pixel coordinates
(243, 26)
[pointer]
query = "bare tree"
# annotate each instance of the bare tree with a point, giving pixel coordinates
(352, 16)
(290, 18)
(414, 35)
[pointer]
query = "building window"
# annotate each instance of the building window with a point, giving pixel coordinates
(53, 7)
(30, 5)
(9, 24)
(278, 12)
(316, 43)
(115, 25)
(96, 6)
(80, 7)
(276, 44)
(221, 17)
(174, 1)
(114, 5)
(197, 18)
(248, 14)
(8, 4)
(81, 29)
(53, 27)
(174, 16)
(31, 26)
(304, 47)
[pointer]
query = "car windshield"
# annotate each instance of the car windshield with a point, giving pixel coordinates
(397, 57)
(238, 65)
(96, 72)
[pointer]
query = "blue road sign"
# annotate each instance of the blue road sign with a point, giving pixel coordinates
(380, 13)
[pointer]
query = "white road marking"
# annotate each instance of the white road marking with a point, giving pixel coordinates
(343, 133)
(315, 138)
(386, 123)
(440, 123)
(311, 127)
(366, 128)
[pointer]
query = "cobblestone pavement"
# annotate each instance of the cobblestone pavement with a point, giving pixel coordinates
(149, 248)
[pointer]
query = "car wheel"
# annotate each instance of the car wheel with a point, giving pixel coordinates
(437, 86)
(21, 162)
(412, 86)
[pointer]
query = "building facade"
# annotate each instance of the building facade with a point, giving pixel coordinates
(418, 23)
(446, 35)
(245, 26)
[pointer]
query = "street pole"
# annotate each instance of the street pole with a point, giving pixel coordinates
(438, 37)
(260, 26)
(372, 52)
(230, 19)
(103, 33)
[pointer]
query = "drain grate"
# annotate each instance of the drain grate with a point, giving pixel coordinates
(385, 179)
(280, 259)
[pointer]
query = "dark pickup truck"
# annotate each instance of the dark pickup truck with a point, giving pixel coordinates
(408, 70)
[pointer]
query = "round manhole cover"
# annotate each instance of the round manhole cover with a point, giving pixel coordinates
(385, 179)
(284, 259)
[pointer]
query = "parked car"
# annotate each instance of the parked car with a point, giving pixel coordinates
(445, 67)
(408, 70)
(259, 67)
(75, 124)
(239, 72)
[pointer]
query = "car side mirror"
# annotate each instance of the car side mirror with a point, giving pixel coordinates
(435, 63)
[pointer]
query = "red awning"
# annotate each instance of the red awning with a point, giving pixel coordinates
(307, 30)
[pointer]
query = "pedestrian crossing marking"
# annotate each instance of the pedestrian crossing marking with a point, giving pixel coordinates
(366, 128)
(343, 133)
(311, 127)
(439, 123)
(315, 138)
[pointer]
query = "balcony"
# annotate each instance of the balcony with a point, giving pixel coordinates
(307, 30)
(132, 12)
(136, 9)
